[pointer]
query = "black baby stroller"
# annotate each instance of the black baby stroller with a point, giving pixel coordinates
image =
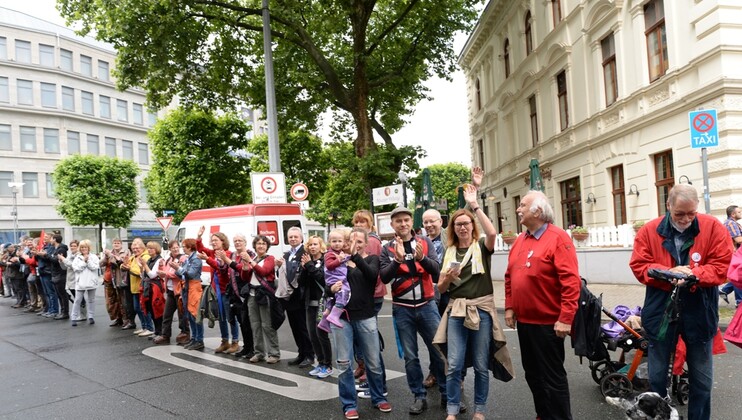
(619, 378)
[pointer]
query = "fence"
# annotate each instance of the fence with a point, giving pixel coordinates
(621, 236)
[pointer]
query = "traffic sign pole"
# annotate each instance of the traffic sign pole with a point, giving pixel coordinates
(706, 194)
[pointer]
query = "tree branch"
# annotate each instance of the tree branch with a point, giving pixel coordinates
(389, 29)
(382, 79)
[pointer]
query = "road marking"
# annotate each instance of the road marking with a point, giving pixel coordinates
(301, 387)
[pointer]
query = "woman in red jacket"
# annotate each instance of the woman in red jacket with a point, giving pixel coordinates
(261, 278)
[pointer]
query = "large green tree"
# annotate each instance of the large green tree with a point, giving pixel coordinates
(366, 59)
(96, 190)
(444, 179)
(199, 161)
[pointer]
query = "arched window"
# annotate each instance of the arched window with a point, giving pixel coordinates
(529, 35)
(506, 57)
(478, 89)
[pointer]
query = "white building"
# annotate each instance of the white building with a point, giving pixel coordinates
(58, 98)
(599, 91)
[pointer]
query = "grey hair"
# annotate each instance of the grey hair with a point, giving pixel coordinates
(240, 236)
(682, 192)
(295, 228)
(540, 202)
(434, 212)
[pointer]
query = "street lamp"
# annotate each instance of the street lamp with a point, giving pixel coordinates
(14, 188)
(403, 178)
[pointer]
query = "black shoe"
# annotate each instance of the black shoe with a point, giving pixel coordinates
(91, 321)
(60, 316)
(242, 353)
(418, 406)
(295, 361)
(306, 362)
(724, 296)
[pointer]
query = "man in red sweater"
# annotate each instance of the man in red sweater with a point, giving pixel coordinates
(542, 286)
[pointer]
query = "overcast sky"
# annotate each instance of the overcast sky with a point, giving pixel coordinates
(439, 126)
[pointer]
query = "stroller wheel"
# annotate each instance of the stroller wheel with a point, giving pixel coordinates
(682, 393)
(616, 385)
(601, 369)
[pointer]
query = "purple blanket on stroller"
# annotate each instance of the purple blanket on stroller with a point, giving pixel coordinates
(613, 329)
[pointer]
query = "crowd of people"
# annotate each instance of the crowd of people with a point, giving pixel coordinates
(441, 291)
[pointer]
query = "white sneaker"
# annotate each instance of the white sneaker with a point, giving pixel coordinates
(316, 370)
(137, 332)
(324, 372)
(146, 333)
(367, 394)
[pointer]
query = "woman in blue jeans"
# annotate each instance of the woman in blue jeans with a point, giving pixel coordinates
(466, 275)
(359, 323)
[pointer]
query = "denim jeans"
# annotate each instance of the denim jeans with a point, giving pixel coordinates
(231, 317)
(145, 320)
(477, 343)
(366, 334)
(410, 322)
(51, 294)
(729, 288)
(700, 373)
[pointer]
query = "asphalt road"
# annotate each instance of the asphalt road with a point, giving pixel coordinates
(51, 370)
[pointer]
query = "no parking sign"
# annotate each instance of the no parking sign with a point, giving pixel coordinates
(268, 187)
(704, 130)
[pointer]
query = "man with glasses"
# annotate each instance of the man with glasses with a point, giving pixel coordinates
(410, 264)
(433, 224)
(542, 286)
(689, 243)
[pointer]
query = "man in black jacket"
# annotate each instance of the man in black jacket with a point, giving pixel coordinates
(59, 276)
(295, 308)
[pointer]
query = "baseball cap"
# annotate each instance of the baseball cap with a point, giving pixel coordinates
(401, 210)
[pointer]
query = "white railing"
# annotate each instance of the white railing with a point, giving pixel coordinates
(604, 236)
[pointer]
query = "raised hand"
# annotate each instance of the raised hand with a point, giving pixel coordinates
(202, 256)
(305, 258)
(201, 231)
(470, 195)
(419, 251)
(398, 249)
(476, 176)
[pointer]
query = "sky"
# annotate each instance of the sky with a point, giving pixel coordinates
(439, 126)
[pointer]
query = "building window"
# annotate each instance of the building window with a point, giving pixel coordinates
(142, 192)
(610, 80)
(51, 140)
(4, 90)
(105, 106)
(46, 55)
(143, 154)
(5, 178)
(480, 151)
(664, 175)
(93, 145)
(30, 184)
(556, 11)
(478, 94)
(619, 194)
(50, 188)
(516, 204)
(654, 24)
(68, 98)
(3, 48)
(561, 80)
(506, 57)
(28, 139)
(22, 51)
(87, 102)
(25, 92)
(49, 95)
(6, 140)
(86, 65)
(151, 118)
(127, 150)
(65, 59)
(103, 70)
(111, 147)
(571, 202)
(529, 33)
(498, 216)
(122, 112)
(138, 114)
(534, 119)
(73, 143)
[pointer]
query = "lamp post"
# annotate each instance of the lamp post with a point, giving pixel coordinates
(14, 188)
(403, 178)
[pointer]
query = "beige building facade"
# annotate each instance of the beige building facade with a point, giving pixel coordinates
(58, 98)
(599, 92)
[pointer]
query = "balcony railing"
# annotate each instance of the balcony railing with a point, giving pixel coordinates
(621, 236)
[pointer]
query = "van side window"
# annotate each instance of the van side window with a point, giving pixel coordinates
(288, 224)
(181, 235)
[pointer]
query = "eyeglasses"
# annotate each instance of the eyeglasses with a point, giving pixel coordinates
(459, 225)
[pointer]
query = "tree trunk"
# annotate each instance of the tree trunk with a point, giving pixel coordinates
(100, 238)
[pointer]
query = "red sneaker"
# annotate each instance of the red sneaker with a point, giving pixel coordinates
(384, 407)
(351, 414)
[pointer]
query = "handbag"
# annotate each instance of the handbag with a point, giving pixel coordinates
(733, 334)
(277, 313)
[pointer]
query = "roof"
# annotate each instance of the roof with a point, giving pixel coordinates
(244, 210)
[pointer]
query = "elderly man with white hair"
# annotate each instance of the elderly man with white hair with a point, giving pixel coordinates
(542, 286)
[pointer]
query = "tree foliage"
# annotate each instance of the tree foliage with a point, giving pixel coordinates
(444, 179)
(198, 162)
(366, 59)
(96, 190)
(346, 191)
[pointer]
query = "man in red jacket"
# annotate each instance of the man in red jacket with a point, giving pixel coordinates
(686, 242)
(542, 285)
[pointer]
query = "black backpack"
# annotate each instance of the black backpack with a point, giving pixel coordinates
(586, 338)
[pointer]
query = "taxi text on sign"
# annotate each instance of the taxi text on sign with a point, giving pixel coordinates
(268, 187)
(704, 129)
(391, 194)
